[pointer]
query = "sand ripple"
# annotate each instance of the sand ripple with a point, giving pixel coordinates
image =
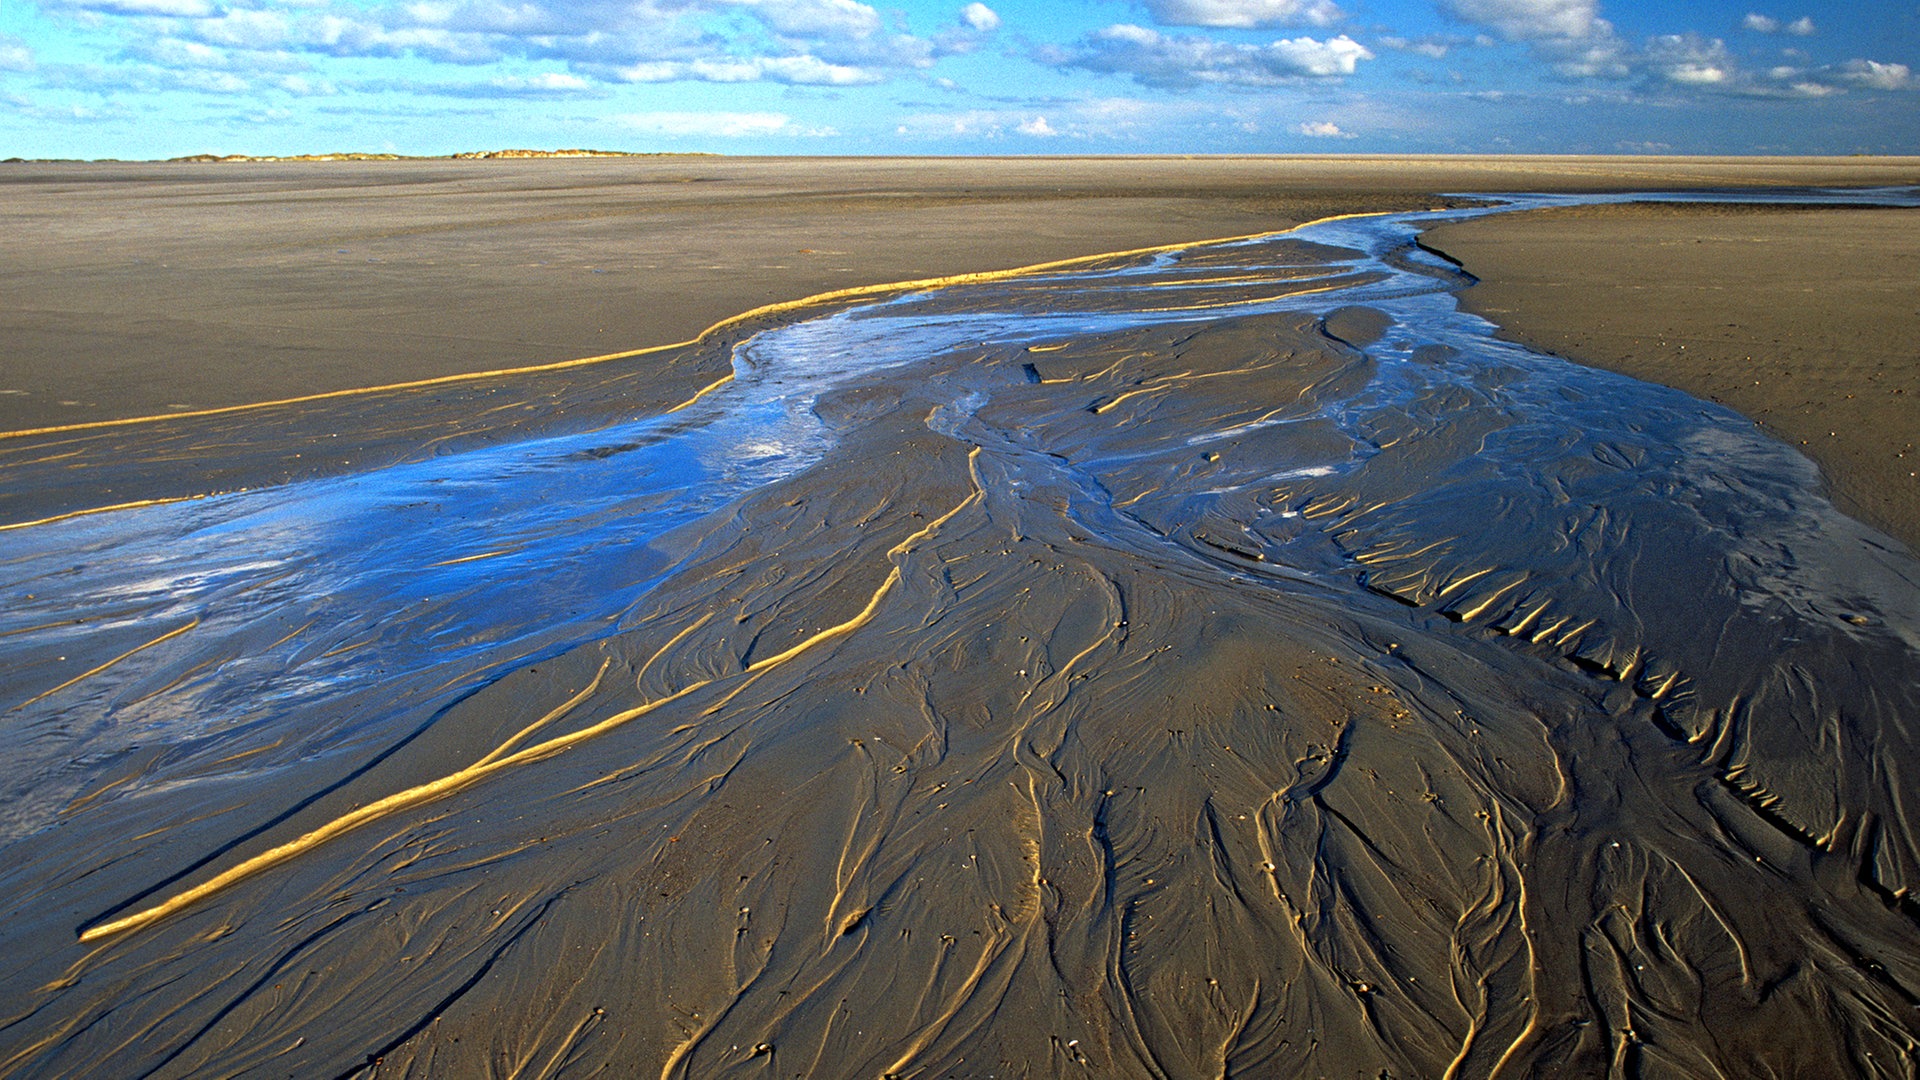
(1221, 662)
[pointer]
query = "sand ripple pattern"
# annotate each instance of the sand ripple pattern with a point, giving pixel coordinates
(1220, 662)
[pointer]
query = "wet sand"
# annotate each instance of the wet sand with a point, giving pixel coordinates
(1276, 691)
(1807, 321)
(153, 288)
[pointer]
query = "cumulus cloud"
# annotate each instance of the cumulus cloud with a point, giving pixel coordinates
(14, 54)
(1767, 24)
(1037, 127)
(1696, 63)
(1151, 123)
(1535, 20)
(1154, 59)
(1877, 76)
(795, 70)
(980, 17)
(810, 42)
(815, 18)
(1433, 46)
(976, 22)
(1690, 60)
(1569, 35)
(726, 125)
(1245, 14)
(1577, 43)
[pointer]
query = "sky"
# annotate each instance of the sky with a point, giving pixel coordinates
(142, 79)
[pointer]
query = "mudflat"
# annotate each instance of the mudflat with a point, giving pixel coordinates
(1230, 660)
(141, 289)
(1807, 321)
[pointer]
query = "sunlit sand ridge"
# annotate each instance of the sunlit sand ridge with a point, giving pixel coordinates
(1185, 663)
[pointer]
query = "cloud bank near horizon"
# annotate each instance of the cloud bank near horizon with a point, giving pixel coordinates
(154, 77)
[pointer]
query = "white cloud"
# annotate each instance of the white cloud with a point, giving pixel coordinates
(1155, 59)
(1877, 76)
(728, 125)
(1767, 24)
(798, 70)
(179, 9)
(813, 71)
(542, 85)
(806, 42)
(14, 54)
(1691, 60)
(303, 86)
(980, 17)
(257, 30)
(1245, 14)
(1037, 127)
(1697, 74)
(1696, 63)
(1535, 20)
(815, 18)
(1340, 56)
(1118, 120)
(1569, 35)
(1323, 129)
(972, 123)
(169, 52)
(1428, 47)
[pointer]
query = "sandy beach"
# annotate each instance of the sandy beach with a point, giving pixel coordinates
(1228, 660)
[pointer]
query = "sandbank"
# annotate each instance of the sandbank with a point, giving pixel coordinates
(1806, 321)
(141, 289)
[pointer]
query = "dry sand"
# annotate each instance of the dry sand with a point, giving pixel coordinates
(1806, 321)
(1531, 722)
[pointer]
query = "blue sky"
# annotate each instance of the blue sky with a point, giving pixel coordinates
(162, 78)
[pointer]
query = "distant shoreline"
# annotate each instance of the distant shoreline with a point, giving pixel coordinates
(1370, 160)
(464, 155)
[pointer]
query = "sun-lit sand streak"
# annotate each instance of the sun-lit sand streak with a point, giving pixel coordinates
(168, 636)
(69, 515)
(501, 759)
(781, 307)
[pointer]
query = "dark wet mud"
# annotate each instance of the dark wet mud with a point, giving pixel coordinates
(1221, 662)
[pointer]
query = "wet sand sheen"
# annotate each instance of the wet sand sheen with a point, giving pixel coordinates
(1288, 687)
(1802, 319)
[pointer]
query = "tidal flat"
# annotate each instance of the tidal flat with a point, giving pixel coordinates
(1203, 658)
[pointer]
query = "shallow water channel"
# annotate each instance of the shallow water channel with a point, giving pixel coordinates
(1223, 660)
